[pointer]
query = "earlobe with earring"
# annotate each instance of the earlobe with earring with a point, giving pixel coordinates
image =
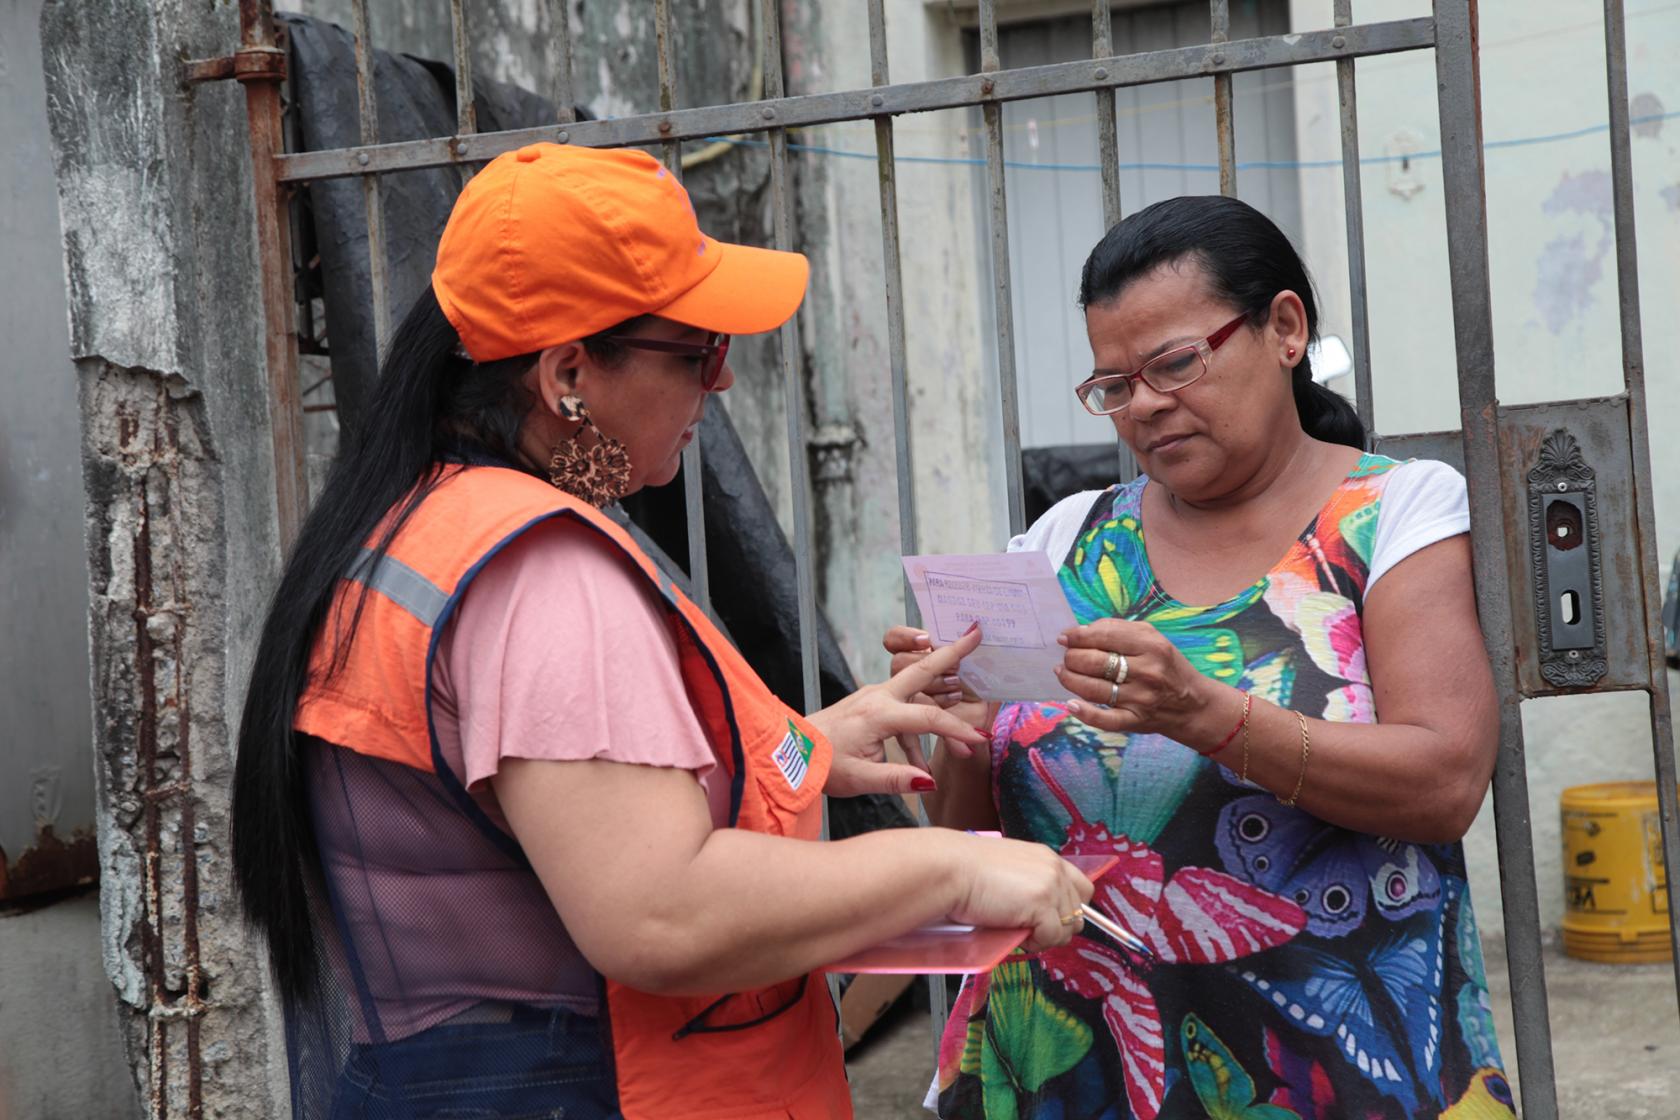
(597, 472)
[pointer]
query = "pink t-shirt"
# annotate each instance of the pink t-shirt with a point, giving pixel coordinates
(561, 651)
(558, 650)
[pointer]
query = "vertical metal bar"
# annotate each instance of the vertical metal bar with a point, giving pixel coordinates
(560, 51)
(1222, 117)
(1108, 154)
(694, 495)
(793, 380)
(998, 220)
(466, 115)
(667, 83)
(799, 467)
(1633, 378)
(1459, 105)
(1354, 203)
(367, 104)
(886, 165)
(285, 409)
(1108, 130)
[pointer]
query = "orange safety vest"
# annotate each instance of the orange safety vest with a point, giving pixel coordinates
(771, 1053)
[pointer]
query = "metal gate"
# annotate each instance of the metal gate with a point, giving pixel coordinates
(1530, 468)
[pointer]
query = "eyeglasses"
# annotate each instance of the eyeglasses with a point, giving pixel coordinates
(714, 350)
(1106, 392)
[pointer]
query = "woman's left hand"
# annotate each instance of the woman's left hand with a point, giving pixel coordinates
(1149, 686)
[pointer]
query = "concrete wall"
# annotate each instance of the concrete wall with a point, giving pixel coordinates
(46, 766)
(155, 199)
(1551, 250)
(60, 1052)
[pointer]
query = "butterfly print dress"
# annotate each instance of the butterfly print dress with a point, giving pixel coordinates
(1298, 970)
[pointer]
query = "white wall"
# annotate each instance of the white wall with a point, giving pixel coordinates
(952, 383)
(1552, 257)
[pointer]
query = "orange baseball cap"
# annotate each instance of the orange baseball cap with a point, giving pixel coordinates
(552, 243)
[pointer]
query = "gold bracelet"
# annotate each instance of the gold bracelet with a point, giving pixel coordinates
(1248, 704)
(1306, 749)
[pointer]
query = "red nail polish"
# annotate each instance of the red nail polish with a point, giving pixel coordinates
(972, 627)
(923, 785)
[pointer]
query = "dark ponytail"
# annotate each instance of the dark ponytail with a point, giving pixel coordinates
(1248, 261)
(431, 405)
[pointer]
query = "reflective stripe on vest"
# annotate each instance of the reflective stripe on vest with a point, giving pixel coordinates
(401, 584)
(769, 1053)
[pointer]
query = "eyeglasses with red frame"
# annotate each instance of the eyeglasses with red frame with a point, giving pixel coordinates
(1106, 392)
(714, 350)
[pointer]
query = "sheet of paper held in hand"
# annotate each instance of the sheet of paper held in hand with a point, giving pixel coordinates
(953, 947)
(1018, 602)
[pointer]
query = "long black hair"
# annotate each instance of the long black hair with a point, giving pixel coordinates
(1247, 261)
(431, 406)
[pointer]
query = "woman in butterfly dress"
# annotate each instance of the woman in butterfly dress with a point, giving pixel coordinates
(1280, 715)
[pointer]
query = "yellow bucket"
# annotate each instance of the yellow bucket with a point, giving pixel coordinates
(1615, 886)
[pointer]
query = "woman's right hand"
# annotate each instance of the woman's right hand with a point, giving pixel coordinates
(910, 646)
(1018, 884)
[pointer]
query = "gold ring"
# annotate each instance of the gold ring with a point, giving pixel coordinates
(1114, 694)
(1112, 668)
(1069, 919)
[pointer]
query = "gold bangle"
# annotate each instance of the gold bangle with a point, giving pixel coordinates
(1306, 749)
(1248, 705)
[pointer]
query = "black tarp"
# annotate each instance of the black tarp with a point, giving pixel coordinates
(1049, 474)
(753, 586)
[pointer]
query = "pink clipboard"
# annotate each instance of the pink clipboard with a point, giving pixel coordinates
(948, 948)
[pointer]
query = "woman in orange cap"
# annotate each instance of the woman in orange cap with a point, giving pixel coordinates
(525, 833)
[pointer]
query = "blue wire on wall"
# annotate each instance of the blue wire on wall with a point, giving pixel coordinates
(1211, 168)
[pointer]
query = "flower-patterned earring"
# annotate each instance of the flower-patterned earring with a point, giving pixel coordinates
(597, 472)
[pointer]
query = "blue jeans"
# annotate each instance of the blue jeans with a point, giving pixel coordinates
(539, 1065)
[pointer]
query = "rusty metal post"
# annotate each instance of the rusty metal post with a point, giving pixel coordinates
(560, 56)
(263, 113)
(367, 106)
(466, 113)
(1224, 125)
(1108, 128)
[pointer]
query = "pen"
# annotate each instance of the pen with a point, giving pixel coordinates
(1115, 930)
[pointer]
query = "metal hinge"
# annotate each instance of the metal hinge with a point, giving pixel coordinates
(248, 64)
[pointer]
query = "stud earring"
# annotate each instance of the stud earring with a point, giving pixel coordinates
(597, 472)
(1290, 352)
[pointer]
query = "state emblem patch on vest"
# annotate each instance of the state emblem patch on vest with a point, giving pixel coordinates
(793, 757)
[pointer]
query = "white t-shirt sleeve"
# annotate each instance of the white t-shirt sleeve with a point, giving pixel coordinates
(1425, 501)
(1057, 529)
